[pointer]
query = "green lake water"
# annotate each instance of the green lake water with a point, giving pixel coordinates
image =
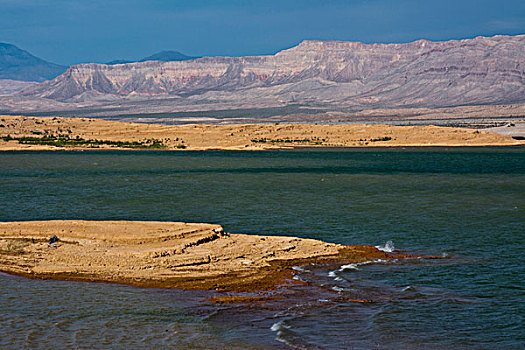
(466, 204)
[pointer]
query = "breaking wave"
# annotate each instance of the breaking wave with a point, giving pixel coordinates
(389, 247)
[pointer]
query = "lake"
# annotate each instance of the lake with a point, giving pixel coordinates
(464, 204)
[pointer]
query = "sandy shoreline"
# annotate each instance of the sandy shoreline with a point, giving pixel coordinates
(163, 254)
(55, 133)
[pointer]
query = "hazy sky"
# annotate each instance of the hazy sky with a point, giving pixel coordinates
(68, 32)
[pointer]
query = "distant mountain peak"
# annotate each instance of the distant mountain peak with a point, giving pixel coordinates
(111, 63)
(165, 56)
(7, 45)
(168, 56)
(18, 64)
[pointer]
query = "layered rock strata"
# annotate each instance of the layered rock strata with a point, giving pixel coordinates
(484, 70)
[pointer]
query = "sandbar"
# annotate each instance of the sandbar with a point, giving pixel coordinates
(164, 254)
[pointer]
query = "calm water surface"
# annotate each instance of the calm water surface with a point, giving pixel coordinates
(466, 204)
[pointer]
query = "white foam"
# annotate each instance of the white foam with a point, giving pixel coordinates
(407, 288)
(389, 247)
(276, 327)
(349, 267)
(333, 274)
(299, 268)
(355, 266)
(337, 289)
(378, 261)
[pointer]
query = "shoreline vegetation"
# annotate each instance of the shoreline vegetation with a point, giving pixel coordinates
(62, 140)
(166, 255)
(58, 133)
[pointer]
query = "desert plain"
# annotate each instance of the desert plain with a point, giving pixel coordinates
(58, 133)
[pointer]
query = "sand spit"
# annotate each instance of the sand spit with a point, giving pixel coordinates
(56, 133)
(163, 254)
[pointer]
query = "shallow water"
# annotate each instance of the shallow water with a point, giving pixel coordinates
(466, 204)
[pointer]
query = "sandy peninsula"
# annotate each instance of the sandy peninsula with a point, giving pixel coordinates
(56, 133)
(163, 254)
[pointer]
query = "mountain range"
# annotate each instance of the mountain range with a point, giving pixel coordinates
(329, 75)
(19, 69)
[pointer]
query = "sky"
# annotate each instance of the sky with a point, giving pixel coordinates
(68, 31)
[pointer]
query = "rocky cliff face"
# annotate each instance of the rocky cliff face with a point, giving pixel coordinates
(322, 73)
